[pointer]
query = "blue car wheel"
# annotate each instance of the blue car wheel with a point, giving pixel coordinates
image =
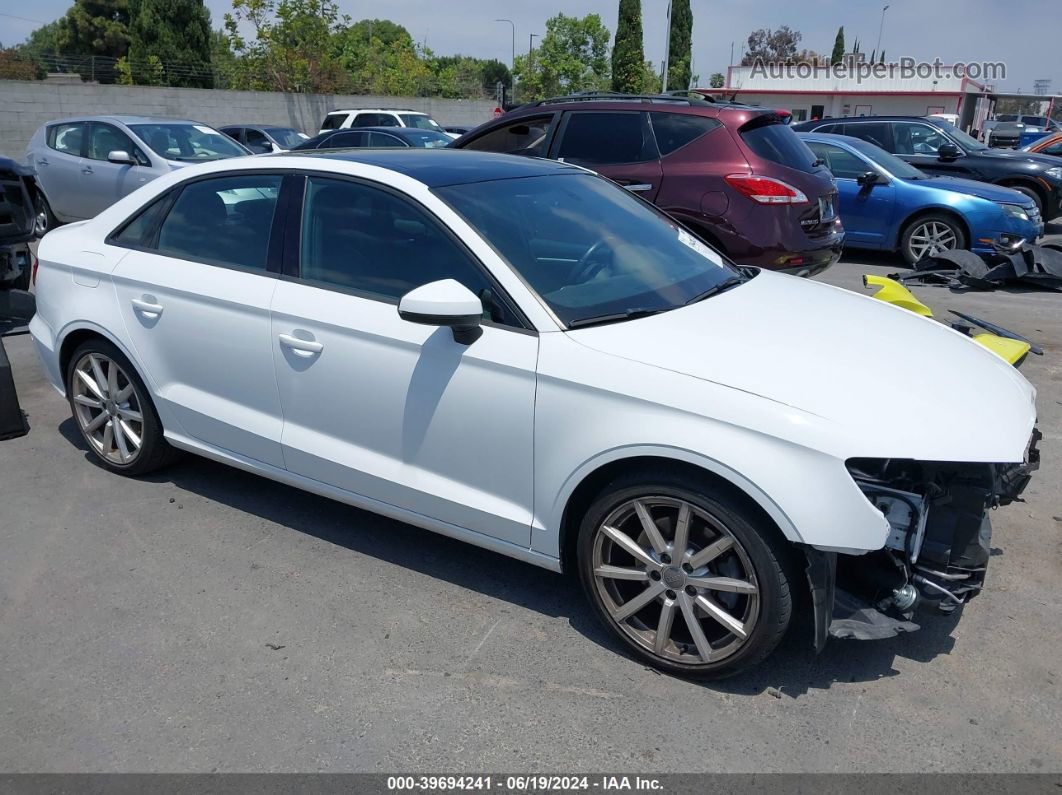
(929, 235)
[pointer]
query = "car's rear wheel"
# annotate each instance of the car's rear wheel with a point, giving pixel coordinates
(685, 575)
(114, 412)
(930, 235)
(44, 219)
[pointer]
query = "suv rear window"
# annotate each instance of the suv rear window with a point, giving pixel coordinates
(675, 130)
(772, 140)
(333, 121)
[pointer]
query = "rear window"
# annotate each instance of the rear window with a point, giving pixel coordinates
(675, 130)
(1038, 121)
(772, 140)
(1006, 117)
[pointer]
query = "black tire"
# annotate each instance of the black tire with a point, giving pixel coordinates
(909, 253)
(45, 220)
(154, 452)
(763, 549)
(1032, 194)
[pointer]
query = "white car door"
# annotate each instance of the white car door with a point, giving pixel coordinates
(391, 410)
(194, 292)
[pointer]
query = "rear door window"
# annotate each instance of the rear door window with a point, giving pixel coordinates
(593, 139)
(525, 136)
(67, 138)
(842, 164)
(675, 130)
(774, 141)
(875, 132)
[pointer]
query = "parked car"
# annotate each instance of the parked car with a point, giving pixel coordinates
(1008, 128)
(85, 164)
(21, 222)
(886, 203)
(263, 139)
(1048, 145)
(936, 147)
(458, 130)
(380, 117)
(518, 353)
(735, 175)
(377, 137)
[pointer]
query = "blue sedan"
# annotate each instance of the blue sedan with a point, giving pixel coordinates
(886, 203)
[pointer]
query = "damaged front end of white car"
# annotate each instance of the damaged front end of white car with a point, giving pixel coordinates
(937, 552)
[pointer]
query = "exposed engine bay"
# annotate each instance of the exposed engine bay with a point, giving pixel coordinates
(938, 548)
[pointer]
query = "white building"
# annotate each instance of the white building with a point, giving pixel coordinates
(860, 89)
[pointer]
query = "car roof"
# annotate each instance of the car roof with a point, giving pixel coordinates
(123, 119)
(438, 167)
(378, 110)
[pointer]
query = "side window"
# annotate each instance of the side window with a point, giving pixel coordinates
(383, 139)
(911, 138)
(233, 132)
(138, 232)
(523, 137)
(875, 132)
(333, 121)
(675, 130)
(372, 242)
(256, 137)
(842, 164)
(605, 138)
(106, 138)
(225, 221)
(367, 120)
(66, 138)
(389, 120)
(343, 139)
(831, 129)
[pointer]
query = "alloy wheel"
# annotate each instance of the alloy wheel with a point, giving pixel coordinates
(931, 238)
(107, 409)
(675, 580)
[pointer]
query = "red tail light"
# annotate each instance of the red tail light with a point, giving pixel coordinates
(33, 273)
(766, 190)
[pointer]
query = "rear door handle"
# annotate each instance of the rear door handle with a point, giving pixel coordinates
(146, 308)
(300, 347)
(87, 170)
(42, 162)
(638, 187)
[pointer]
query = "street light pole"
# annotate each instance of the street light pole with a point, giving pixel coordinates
(531, 49)
(512, 63)
(667, 51)
(880, 27)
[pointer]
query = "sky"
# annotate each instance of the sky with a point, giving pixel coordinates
(1026, 38)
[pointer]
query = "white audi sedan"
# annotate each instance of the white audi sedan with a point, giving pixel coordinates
(521, 354)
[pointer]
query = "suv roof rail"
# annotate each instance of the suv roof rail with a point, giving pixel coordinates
(358, 110)
(618, 96)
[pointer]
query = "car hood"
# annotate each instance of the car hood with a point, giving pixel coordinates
(886, 382)
(1017, 154)
(983, 190)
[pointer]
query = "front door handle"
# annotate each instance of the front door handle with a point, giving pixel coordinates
(638, 187)
(148, 309)
(300, 347)
(87, 170)
(42, 161)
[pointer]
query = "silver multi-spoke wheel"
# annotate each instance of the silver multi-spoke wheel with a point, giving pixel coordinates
(107, 408)
(675, 580)
(931, 238)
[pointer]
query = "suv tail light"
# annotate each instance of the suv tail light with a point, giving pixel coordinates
(33, 272)
(766, 190)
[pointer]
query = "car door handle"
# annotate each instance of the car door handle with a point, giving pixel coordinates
(87, 170)
(637, 187)
(42, 161)
(300, 347)
(146, 308)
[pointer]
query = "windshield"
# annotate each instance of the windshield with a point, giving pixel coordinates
(192, 143)
(420, 121)
(961, 138)
(589, 248)
(428, 138)
(1036, 121)
(896, 166)
(286, 137)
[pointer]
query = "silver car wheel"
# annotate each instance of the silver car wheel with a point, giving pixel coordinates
(107, 409)
(931, 238)
(675, 580)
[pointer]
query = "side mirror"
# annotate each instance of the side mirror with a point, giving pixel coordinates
(869, 179)
(121, 158)
(444, 303)
(948, 152)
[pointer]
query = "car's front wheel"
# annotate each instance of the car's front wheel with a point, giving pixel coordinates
(113, 410)
(685, 574)
(930, 235)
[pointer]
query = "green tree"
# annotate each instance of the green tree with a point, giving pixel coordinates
(680, 46)
(628, 53)
(573, 57)
(294, 44)
(43, 41)
(838, 47)
(388, 32)
(717, 80)
(772, 46)
(177, 34)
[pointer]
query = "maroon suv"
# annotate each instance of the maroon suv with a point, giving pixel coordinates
(735, 174)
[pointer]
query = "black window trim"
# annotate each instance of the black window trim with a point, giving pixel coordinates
(647, 130)
(276, 230)
(292, 248)
(660, 156)
(547, 144)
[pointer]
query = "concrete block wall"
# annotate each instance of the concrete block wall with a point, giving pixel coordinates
(27, 104)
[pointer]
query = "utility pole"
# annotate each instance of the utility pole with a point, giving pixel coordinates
(880, 27)
(667, 51)
(512, 63)
(531, 50)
